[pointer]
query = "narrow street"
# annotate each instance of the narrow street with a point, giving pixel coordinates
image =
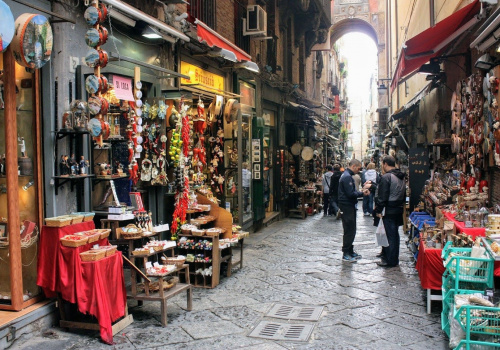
(291, 262)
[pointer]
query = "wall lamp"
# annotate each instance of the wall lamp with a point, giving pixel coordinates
(248, 65)
(432, 67)
(29, 184)
(152, 33)
(381, 87)
(486, 62)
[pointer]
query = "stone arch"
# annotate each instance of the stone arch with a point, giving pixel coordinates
(354, 25)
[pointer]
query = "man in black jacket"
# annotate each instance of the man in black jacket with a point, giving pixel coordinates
(348, 197)
(391, 195)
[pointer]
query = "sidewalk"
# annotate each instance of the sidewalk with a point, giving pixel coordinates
(293, 262)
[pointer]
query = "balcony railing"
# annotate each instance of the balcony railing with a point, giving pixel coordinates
(204, 10)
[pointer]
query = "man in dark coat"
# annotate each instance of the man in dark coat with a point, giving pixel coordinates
(348, 197)
(390, 195)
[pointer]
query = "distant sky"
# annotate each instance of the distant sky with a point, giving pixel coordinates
(360, 52)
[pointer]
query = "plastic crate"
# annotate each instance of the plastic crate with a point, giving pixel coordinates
(477, 345)
(479, 321)
(448, 304)
(463, 268)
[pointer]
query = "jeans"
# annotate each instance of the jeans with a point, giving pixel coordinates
(349, 225)
(326, 203)
(334, 204)
(391, 253)
(368, 203)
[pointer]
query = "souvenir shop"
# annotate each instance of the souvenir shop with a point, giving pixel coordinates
(455, 226)
(303, 162)
(153, 173)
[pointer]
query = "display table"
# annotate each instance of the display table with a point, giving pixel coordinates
(97, 287)
(430, 270)
(460, 225)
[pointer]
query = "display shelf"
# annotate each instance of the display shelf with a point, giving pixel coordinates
(100, 178)
(61, 180)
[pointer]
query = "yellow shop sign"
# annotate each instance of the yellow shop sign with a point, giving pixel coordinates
(200, 76)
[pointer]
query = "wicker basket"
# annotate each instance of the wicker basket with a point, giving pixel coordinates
(130, 231)
(140, 252)
(198, 232)
(93, 255)
(87, 216)
(67, 242)
(104, 233)
(93, 237)
(174, 261)
(58, 221)
(75, 218)
(214, 232)
(110, 249)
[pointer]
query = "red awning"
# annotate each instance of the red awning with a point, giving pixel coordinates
(432, 41)
(212, 38)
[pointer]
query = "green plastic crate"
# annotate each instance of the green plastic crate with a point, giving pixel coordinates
(448, 304)
(476, 345)
(463, 268)
(479, 320)
(449, 283)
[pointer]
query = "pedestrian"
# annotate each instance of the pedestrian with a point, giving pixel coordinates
(390, 195)
(348, 197)
(334, 191)
(357, 183)
(371, 175)
(327, 182)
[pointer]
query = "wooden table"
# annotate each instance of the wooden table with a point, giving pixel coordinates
(161, 295)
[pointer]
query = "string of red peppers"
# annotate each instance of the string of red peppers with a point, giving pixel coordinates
(182, 197)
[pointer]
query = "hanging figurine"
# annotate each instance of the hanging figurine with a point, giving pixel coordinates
(134, 170)
(130, 151)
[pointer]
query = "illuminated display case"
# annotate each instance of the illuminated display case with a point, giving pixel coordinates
(20, 154)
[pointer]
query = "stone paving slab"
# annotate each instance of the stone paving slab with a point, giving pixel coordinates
(290, 262)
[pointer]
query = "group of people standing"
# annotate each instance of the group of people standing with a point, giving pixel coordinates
(383, 198)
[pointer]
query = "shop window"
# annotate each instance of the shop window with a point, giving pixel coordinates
(28, 189)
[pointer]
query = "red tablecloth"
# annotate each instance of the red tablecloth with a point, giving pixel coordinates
(430, 267)
(460, 225)
(98, 287)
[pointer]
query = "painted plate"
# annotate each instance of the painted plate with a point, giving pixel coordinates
(92, 37)
(95, 127)
(307, 153)
(138, 103)
(33, 40)
(91, 16)
(95, 104)
(7, 26)
(92, 84)
(92, 58)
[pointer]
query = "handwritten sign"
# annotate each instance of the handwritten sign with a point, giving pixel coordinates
(123, 88)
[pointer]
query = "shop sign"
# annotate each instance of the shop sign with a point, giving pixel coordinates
(123, 88)
(247, 93)
(200, 76)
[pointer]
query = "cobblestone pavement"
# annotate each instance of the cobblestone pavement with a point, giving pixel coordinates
(292, 262)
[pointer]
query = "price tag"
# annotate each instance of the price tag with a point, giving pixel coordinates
(151, 250)
(149, 265)
(123, 88)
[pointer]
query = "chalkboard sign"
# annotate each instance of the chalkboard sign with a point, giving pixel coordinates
(418, 173)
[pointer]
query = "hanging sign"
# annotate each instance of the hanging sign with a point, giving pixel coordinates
(32, 43)
(123, 88)
(6, 26)
(200, 76)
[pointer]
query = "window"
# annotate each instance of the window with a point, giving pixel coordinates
(240, 12)
(204, 10)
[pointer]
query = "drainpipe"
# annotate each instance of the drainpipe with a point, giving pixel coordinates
(314, 77)
(431, 7)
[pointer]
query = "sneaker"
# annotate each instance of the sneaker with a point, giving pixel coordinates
(356, 255)
(379, 255)
(366, 213)
(339, 214)
(348, 258)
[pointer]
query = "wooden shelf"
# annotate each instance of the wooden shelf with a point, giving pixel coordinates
(155, 296)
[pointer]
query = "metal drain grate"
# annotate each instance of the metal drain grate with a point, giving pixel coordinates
(282, 331)
(302, 313)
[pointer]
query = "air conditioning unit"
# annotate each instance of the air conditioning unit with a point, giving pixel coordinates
(256, 21)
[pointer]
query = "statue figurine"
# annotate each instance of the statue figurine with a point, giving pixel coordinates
(64, 166)
(83, 166)
(23, 146)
